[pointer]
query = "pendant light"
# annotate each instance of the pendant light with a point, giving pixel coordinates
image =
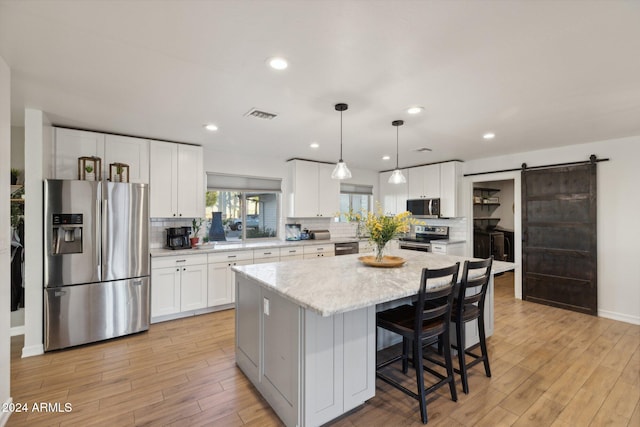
(341, 170)
(397, 177)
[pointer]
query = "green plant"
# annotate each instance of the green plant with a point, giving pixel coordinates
(195, 226)
(17, 209)
(383, 228)
(88, 168)
(15, 172)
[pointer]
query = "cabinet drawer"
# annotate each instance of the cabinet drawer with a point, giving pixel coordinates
(438, 248)
(266, 253)
(172, 261)
(231, 256)
(291, 251)
(319, 249)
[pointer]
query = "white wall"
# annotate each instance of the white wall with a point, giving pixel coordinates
(17, 149)
(38, 140)
(618, 208)
(5, 275)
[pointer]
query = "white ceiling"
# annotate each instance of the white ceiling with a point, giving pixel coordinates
(537, 73)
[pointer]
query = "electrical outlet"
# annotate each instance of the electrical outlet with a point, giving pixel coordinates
(265, 306)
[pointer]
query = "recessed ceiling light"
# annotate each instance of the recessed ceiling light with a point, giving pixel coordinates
(415, 110)
(211, 127)
(314, 145)
(278, 63)
(489, 135)
(386, 157)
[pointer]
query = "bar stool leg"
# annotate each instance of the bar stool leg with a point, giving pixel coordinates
(483, 346)
(461, 347)
(449, 364)
(417, 363)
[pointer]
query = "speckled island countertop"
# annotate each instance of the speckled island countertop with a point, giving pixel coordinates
(336, 285)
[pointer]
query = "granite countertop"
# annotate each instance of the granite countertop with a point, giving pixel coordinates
(230, 246)
(336, 285)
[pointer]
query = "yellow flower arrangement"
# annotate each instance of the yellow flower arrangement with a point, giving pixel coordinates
(383, 228)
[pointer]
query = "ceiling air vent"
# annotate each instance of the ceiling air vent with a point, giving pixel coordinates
(423, 149)
(254, 112)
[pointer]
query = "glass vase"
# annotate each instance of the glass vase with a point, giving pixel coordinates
(380, 251)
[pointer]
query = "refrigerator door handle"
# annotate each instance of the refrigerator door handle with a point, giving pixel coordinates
(96, 245)
(103, 242)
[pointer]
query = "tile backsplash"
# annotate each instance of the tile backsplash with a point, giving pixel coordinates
(338, 230)
(157, 230)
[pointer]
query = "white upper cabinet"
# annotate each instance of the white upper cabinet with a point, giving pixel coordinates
(393, 197)
(450, 192)
(130, 151)
(424, 182)
(71, 144)
(312, 191)
(177, 180)
(441, 181)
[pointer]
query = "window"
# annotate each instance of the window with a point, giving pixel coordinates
(245, 207)
(354, 199)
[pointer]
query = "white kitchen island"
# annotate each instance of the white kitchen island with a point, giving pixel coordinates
(306, 330)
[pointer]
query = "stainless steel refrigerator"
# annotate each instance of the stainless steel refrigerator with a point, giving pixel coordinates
(96, 261)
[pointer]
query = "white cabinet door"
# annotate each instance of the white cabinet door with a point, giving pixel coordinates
(193, 287)
(450, 180)
(313, 192)
(221, 286)
(163, 178)
(69, 145)
(328, 191)
(190, 182)
(131, 151)
(304, 189)
(218, 287)
(393, 196)
(165, 291)
(177, 180)
(424, 182)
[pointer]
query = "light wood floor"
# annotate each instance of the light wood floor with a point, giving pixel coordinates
(550, 368)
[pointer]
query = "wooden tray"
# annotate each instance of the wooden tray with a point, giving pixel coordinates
(387, 261)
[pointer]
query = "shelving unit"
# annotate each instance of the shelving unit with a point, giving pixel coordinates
(484, 220)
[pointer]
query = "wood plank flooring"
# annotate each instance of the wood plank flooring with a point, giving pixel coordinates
(550, 367)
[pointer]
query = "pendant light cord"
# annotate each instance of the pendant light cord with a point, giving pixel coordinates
(397, 145)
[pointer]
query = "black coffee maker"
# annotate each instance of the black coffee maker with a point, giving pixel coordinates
(178, 238)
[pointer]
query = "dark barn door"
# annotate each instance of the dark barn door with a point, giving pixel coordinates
(559, 237)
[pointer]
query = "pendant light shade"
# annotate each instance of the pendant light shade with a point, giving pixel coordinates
(341, 171)
(397, 177)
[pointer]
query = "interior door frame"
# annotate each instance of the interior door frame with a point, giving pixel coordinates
(467, 193)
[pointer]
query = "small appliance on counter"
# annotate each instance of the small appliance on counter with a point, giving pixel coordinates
(178, 238)
(320, 234)
(304, 235)
(292, 232)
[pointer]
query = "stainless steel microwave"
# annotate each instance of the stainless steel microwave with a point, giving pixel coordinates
(425, 208)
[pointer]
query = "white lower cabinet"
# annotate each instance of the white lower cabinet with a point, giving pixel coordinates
(291, 253)
(315, 251)
(448, 248)
(178, 283)
(220, 278)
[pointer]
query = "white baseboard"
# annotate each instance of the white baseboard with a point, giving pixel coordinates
(17, 330)
(4, 416)
(33, 350)
(635, 320)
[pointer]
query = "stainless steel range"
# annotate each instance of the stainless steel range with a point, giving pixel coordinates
(420, 237)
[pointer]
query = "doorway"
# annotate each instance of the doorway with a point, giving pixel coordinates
(496, 204)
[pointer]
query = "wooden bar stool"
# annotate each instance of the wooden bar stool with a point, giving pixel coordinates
(469, 305)
(425, 321)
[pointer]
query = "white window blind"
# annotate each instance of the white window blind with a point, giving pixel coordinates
(217, 181)
(356, 189)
